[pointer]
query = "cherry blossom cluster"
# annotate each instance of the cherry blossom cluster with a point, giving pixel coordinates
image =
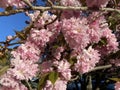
(16, 3)
(79, 35)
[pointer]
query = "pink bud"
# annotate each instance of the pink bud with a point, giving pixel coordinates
(9, 37)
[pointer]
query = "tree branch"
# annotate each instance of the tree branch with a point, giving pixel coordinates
(50, 2)
(110, 9)
(100, 67)
(29, 86)
(53, 7)
(7, 13)
(28, 3)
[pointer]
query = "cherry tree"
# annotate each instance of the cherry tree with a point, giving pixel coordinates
(64, 41)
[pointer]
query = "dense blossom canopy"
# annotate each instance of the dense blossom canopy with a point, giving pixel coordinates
(58, 47)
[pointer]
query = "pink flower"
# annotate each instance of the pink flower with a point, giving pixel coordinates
(33, 16)
(7, 80)
(54, 28)
(75, 33)
(23, 69)
(9, 38)
(117, 86)
(59, 85)
(97, 3)
(87, 60)
(64, 68)
(41, 21)
(4, 4)
(48, 86)
(17, 3)
(27, 51)
(20, 86)
(116, 62)
(70, 13)
(99, 29)
(57, 53)
(112, 44)
(40, 37)
(46, 67)
(70, 2)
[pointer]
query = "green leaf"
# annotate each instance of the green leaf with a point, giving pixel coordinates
(53, 76)
(102, 42)
(72, 60)
(3, 70)
(3, 61)
(55, 46)
(42, 81)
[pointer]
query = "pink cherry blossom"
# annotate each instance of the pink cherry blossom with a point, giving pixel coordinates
(4, 4)
(75, 33)
(46, 67)
(70, 2)
(46, 17)
(19, 87)
(111, 40)
(40, 37)
(27, 51)
(64, 68)
(17, 3)
(99, 29)
(7, 80)
(23, 69)
(117, 86)
(115, 62)
(97, 3)
(87, 60)
(59, 85)
(57, 53)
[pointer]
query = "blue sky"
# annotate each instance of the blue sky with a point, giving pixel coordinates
(13, 22)
(8, 24)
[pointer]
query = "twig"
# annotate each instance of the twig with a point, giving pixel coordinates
(53, 7)
(28, 3)
(59, 8)
(15, 43)
(73, 79)
(110, 9)
(95, 69)
(7, 13)
(100, 67)
(50, 2)
(89, 86)
(58, 15)
(30, 88)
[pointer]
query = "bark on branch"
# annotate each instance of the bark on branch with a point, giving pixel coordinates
(7, 13)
